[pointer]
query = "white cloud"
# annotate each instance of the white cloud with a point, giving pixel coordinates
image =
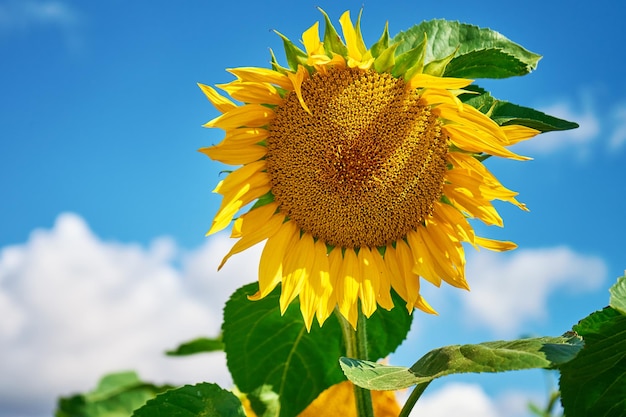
(469, 400)
(618, 136)
(74, 307)
(508, 290)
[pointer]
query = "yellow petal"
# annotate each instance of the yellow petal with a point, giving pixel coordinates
(335, 261)
(422, 80)
(370, 281)
(472, 205)
(348, 287)
(423, 258)
(311, 40)
(263, 75)
(411, 280)
(384, 289)
(220, 102)
(296, 271)
(396, 277)
(248, 115)
(271, 262)
(516, 133)
(253, 92)
(446, 214)
(448, 257)
(472, 140)
(235, 154)
(245, 136)
(469, 117)
(438, 96)
(296, 80)
(495, 245)
(317, 289)
(263, 230)
(239, 177)
(351, 37)
(256, 186)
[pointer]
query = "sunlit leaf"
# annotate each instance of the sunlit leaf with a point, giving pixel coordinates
(499, 356)
(478, 52)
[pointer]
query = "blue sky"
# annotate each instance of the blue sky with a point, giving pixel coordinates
(105, 200)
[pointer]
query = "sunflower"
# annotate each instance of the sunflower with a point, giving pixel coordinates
(361, 170)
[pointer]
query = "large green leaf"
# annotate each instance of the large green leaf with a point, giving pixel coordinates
(199, 345)
(499, 356)
(618, 295)
(506, 113)
(200, 400)
(594, 384)
(117, 395)
(265, 349)
(478, 52)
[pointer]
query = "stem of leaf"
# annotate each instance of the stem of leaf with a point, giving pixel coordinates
(415, 395)
(356, 348)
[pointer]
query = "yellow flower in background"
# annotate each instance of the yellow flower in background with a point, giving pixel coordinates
(338, 400)
(363, 171)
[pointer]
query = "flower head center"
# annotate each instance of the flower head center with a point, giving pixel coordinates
(365, 166)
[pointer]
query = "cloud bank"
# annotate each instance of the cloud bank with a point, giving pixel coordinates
(75, 307)
(509, 290)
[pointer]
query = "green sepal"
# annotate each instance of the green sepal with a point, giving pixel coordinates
(506, 113)
(199, 345)
(275, 65)
(386, 60)
(438, 67)
(447, 36)
(410, 62)
(263, 200)
(498, 356)
(332, 40)
(295, 56)
(381, 44)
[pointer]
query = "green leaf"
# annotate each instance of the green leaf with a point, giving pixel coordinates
(264, 348)
(295, 56)
(200, 400)
(506, 113)
(477, 64)
(199, 345)
(594, 383)
(489, 54)
(618, 295)
(500, 356)
(116, 395)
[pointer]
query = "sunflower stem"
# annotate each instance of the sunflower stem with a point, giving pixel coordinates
(356, 348)
(415, 395)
